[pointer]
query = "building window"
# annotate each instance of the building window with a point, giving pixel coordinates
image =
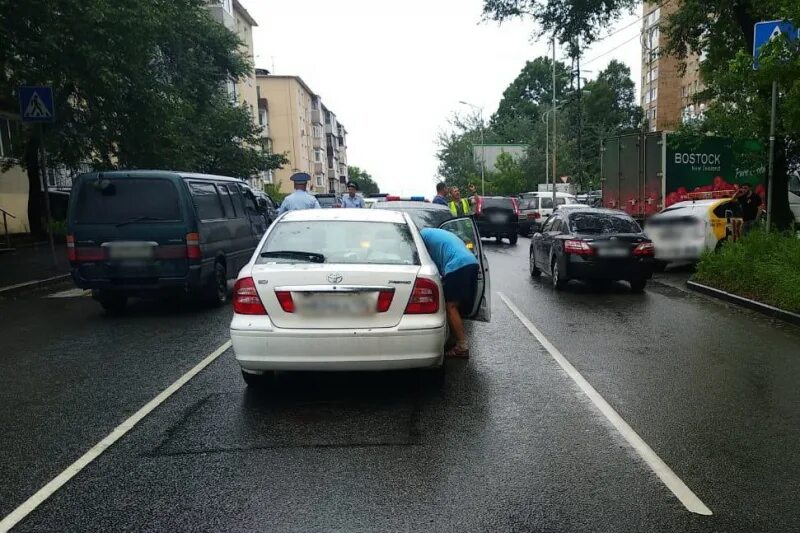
(318, 131)
(230, 85)
(318, 156)
(8, 135)
(227, 5)
(262, 117)
(320, 180)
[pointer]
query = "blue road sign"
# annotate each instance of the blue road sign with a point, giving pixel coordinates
(36, 104)
(766, 31)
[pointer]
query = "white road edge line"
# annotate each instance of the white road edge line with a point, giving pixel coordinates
(48, 490)
(664, 472)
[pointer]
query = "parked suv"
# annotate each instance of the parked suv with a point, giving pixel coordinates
(497, 216)
(143, 233)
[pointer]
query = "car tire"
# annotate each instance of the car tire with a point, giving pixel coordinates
(534, 270)
(559, 282)
(112, 302)
(513, 239)
(638, 285)
(258, 381)
(216, 291)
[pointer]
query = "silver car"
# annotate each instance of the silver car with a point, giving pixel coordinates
(345, 289)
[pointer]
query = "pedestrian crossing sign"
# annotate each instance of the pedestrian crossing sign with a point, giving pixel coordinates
(36, 104)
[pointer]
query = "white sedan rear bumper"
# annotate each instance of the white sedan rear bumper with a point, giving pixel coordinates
(417, 342)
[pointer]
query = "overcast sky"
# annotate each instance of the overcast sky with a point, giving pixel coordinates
(393, 72)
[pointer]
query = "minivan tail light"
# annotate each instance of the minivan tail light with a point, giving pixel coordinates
(193, 246)
(424, 298)
(516, 206)
(534, 216)
(245, 298)
(479, 205)
(645, 249)
(71, 255)
(577, 247)
(286, 301)
(385, 300)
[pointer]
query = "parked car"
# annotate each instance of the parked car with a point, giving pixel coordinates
(141, 233)
(330, 200)
(594, 245)
(535, 207)
(423, 214)
(498, 217)
(684, 231)
(349, 289)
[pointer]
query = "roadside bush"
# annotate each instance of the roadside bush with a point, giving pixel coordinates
(761, 266)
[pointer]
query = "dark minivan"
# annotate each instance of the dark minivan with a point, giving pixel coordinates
(146, 232)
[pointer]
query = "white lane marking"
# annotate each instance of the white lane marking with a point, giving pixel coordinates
(33, 283)
(664, 472)
(45, 492)
(70, 293)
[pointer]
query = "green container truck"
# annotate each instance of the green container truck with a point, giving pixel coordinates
(642, 174)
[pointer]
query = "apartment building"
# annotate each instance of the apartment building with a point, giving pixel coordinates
(667, 96)
(303, 128)
(244, 91)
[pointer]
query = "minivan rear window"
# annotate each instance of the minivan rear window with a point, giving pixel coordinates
(326, 201)
(343, 242)
(602, 223)
(112, 201)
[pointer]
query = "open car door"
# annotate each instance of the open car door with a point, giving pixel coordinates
(465, 228)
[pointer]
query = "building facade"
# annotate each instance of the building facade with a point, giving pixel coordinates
(301, 127)
(667, 96)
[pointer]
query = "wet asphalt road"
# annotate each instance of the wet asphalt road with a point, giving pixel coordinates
(509, 443)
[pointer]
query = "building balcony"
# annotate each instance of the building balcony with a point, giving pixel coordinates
(316, 116)
(319, 168)
(317, 142)
(222, 16)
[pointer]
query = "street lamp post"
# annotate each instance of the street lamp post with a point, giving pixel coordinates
(483, 146)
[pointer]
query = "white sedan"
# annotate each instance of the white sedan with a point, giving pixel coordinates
(345, 289)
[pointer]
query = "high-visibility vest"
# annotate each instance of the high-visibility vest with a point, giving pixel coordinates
(454, 207)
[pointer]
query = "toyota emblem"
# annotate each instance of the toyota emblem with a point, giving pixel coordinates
(335, 278)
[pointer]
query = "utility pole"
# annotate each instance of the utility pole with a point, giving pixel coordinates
(555, 123)
(580, 120)
(771, 153)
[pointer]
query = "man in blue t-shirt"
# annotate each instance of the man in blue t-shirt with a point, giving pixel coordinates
(458, 267)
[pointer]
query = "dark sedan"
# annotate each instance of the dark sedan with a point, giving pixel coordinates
(593, 245)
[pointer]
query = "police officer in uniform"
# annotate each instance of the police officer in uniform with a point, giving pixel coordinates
(352, 198)
(299, 199)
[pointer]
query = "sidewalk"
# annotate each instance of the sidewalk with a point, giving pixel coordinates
(30, 264)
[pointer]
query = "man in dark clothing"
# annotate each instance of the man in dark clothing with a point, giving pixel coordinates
(750, 203)
(441, 194)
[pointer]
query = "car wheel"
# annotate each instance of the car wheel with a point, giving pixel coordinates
(638, 285)
(258, 380)
(513, 239)
(216, 292)
(558, 280)
(534, 270)
(113, 302)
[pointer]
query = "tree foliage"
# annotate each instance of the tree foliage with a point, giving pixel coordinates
(605, 106)
(573, 21)
(137, 84)
(366, 183)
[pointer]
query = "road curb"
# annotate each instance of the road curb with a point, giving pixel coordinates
(12, 289)
(769, 310)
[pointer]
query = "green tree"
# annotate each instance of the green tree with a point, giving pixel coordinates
(457, 164)
(508, 178)
(366, 183)
(137, 84)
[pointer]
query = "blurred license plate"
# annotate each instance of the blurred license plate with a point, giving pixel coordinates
(335, 304)
(613, 252)
(497, 218)
(130, 251)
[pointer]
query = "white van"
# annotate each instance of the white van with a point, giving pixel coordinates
(535, 207)
(794, 197)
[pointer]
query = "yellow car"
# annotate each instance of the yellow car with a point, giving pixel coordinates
(685, 230)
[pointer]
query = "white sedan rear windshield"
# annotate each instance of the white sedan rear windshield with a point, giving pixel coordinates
(338, 241)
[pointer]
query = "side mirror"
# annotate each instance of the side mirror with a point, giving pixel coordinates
(728, 214)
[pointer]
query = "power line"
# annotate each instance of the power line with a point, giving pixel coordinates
(595, 58)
